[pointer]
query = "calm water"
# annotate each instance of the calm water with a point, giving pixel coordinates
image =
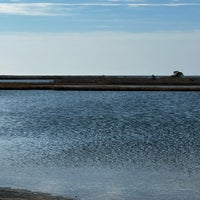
(101, 145)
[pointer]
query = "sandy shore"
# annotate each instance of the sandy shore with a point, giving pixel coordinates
(17, 194)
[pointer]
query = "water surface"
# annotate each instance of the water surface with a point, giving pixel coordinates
(101, 145)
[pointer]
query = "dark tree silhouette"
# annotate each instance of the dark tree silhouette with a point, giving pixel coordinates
(177, 74)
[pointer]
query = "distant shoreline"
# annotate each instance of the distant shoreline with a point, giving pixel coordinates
(99, 87)
(98, 83)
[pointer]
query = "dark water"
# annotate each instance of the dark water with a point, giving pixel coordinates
(102, 145)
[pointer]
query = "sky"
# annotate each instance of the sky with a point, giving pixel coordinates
(99, 37)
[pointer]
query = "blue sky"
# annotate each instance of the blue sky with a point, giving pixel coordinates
(128, 36)
(99, 15)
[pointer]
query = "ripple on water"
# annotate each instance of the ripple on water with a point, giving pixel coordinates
(110, 145)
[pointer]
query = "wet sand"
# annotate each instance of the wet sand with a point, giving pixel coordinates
(17, 194)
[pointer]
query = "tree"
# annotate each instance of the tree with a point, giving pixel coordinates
(177, 74)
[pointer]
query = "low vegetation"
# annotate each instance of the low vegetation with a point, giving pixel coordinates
(104, 82)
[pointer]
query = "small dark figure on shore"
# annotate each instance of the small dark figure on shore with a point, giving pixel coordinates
(153, 77)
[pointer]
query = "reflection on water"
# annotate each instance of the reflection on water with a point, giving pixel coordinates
(101, 145)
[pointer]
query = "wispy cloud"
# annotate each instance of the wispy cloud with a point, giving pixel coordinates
(162, 4)
(54, 9)
(33, 9)
(46, 9)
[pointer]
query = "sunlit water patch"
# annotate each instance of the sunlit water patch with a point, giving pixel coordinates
(101, 145)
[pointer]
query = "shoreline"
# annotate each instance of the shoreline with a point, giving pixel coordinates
(101, 83)
(16, 194)
(101, 87)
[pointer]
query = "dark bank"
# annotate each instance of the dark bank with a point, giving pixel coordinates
(118, 83)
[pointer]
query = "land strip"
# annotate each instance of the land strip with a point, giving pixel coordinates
(112, 83)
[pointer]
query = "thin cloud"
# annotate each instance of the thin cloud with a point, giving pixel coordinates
(33, 9)
(57, 9)
(162, 4)
(46, 9)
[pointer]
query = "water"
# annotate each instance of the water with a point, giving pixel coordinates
(101, 145)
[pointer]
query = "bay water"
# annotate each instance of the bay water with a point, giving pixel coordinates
(101, 145)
